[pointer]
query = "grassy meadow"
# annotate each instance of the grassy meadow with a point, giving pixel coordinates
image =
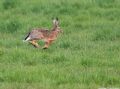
(85, 56)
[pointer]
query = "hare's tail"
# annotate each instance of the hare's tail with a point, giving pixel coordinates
(27, 38)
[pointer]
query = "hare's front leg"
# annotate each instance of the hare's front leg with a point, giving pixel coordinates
(47, 43)
(34, 43)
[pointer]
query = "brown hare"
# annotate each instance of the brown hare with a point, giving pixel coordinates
(48, 36)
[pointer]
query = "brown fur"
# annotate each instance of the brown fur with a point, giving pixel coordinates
(48, 36)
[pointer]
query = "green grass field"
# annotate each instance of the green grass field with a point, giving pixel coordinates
(85, 56)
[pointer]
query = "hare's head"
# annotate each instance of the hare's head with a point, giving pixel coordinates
(59, 30)
(55, 22)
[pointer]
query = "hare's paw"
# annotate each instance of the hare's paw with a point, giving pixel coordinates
(45, 47)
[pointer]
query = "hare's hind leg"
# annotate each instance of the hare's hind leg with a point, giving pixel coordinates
(34, 43)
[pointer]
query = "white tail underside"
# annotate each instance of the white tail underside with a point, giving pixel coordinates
(28, 39)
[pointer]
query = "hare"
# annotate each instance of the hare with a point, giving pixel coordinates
(48, 36)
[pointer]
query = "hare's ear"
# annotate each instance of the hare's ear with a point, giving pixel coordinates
(55, 21)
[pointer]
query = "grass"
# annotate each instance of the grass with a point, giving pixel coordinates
(85, 56)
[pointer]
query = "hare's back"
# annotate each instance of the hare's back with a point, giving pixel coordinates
(37, 34)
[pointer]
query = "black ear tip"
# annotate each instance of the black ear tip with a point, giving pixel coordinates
(57, 18)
